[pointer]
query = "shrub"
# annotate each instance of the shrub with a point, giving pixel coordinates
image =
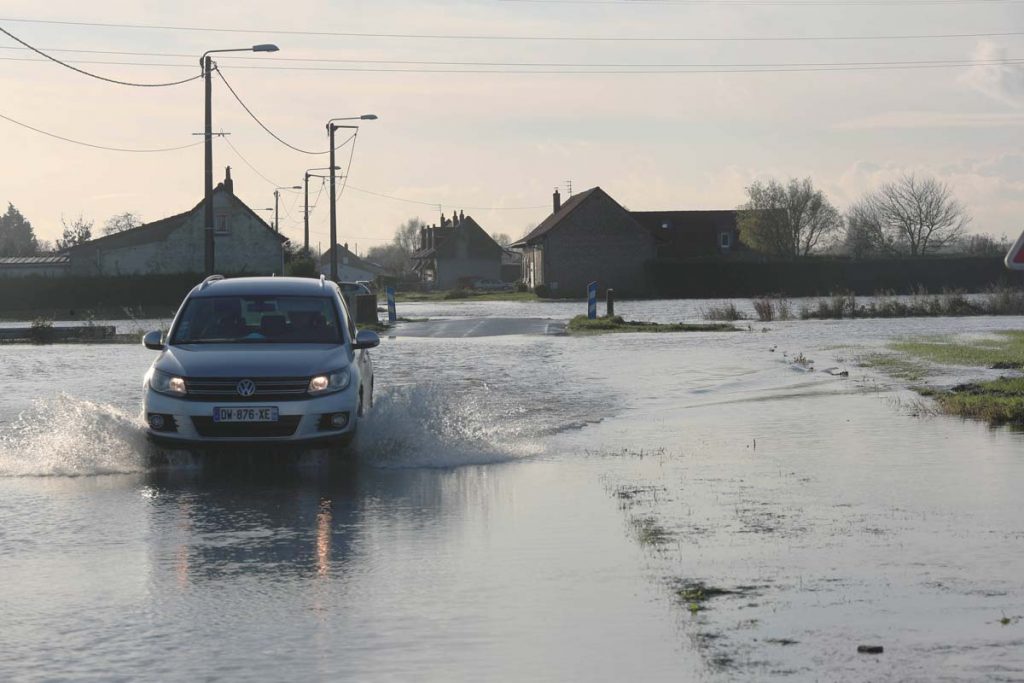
(42, 331)
(543, 291)
(522, 287)
(724, 312)
(765, 309)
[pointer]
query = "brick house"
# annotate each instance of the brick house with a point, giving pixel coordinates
(456, 252)
(243, 243)
(351, 268)
(590, 237)
(693, 234)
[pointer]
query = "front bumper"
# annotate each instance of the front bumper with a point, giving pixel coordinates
(299, 422)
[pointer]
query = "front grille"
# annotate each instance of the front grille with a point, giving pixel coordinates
(267, 389)
(285, 426)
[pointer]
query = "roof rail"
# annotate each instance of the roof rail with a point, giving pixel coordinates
(322, 278)
(208, 280)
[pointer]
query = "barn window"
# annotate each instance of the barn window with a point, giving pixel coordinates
(725, 239)
(220, 226)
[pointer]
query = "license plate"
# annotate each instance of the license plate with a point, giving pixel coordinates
(253, 414)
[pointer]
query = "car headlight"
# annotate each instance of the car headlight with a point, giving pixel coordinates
(329, 382)
(167, 384)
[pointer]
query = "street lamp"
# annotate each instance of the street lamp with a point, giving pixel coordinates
(206, 63)
(305, 181)
(331, 127)
(277, 192)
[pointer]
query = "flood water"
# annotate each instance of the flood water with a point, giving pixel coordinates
(527, 507)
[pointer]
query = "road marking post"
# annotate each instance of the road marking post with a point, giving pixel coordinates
(592, 300)
(392, 316)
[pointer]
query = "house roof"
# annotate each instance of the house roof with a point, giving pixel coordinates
(662, 222)
(353, 260)
(553, 221)
(52, 259)
(159, 230)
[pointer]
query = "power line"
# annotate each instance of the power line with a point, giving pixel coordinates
(785, 67)
(770, 3)
(92, 75)
(262, 125)
(533, 38)
(89, 144)
(581, 65)
(247, 163)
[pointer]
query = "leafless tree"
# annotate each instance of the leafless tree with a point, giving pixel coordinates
(76, 232)
(121, 222)
(787, 220)
(407, 235)
(911, 216)
(501, 238)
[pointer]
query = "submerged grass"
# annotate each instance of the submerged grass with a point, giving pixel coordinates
(997, 402)
(1005, 351)
(997, 301)
(616, 324)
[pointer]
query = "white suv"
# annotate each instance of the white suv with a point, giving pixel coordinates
(259, 359)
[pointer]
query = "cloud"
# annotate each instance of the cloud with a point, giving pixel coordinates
(932, 119)
(1001, 82)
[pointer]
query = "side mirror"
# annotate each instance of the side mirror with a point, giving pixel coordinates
(153, 341)
(366, 339)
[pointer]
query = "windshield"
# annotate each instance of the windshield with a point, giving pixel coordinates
(258, 319)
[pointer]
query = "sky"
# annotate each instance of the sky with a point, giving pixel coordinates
(493, 141)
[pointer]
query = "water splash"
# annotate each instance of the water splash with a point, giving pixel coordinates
(434, 426)
(66, 436)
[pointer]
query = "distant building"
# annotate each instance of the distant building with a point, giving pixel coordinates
(590, 237)
(692, 234)
(244, 243)
(511, 265)
(351, 268)
(456, 252)
(50, 265)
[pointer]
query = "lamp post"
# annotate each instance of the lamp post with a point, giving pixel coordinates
(331, 127)
(305, 181)
(206, 63)
(277, 192)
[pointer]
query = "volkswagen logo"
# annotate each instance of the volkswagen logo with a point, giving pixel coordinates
(246, 387)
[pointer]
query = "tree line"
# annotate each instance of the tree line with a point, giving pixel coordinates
(910, 216)
(18, 237)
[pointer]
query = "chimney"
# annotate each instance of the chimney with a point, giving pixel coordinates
(229, 184)
(462, 216)
(346, 246)
(556, 201)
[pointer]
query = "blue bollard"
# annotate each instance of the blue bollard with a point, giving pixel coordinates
(592, 300)
(392, 316)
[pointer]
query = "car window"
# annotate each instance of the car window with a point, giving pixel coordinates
(258, 319)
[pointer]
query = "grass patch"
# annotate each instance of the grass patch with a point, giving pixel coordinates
(724, 312)
(1005, 351)
(894, 365)
(999, 301)
(997, 402)
(582, 323)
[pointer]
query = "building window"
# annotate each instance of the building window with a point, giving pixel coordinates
(220, 225)
(725, 240)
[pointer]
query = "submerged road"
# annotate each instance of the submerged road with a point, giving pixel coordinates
(478, 327)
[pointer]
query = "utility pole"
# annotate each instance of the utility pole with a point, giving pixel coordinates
(206, 62)
(277, 194)
(305, 219)
(331, 127)
(210, 261)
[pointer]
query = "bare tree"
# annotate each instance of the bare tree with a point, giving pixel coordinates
(121, 222)
(911, 216)
(501, 238)
(787, 220)
(75, 233)
(407, 235)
